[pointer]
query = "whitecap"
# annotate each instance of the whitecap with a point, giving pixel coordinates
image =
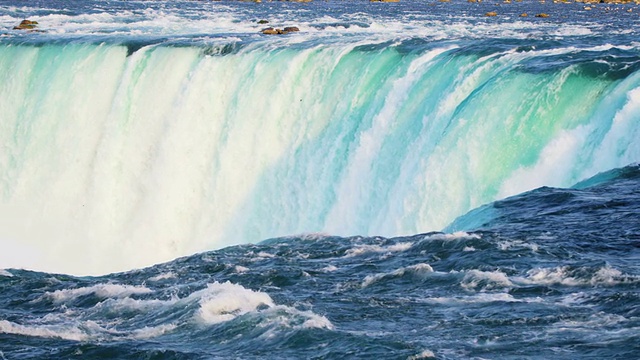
(458, 235)
(99, 290)
(594, 322)
(485, 280)
(240, 269)
(516, 244)
(480, 298)
(293, 318)
(151, 332)
(221, 302)
(129, 304)
(46, 331)
(5, 273)
(364, 249)
(329, 268)
(263, 254)
(425, 354)
(420, 270)
(163, 276)
(565, 275)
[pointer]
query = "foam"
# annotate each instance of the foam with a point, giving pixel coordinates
(315, 236)
(329, 268)
(240, 269)
(564, 275)
(152, 332)
(221, 302)
(359, 250)
(292, 318)
(479, 298)
(5, 273)
(572, 30)
(425, 354)
(315, 321)
(517, 244)
(419, 270)
(594, 323)
(163, 276)
(47, 331)
(260, 256)
(265, 255)
(458, 235)
(100, 290)
(82, 331)
(117, 305)
(220, 19)
(485, 280)
(215, 304)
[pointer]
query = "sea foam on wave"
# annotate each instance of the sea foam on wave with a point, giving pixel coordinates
(5, 273)
(478, 298)
(213, 305)
(364, 249)
(485, 280)
(47, 331)
(418, 270)
(222, 302)
(582, 276)
(82, 331)
(99, 290)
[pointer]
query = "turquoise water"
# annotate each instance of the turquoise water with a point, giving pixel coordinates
(175, 149)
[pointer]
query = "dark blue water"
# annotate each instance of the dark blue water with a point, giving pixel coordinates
(552, 273)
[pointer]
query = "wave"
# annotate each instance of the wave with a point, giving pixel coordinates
(218, 304)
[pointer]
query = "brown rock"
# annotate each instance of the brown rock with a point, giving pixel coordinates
(26, 25)
(491, 13)
(270, 31)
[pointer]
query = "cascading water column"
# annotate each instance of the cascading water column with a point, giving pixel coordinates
(113, 160)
